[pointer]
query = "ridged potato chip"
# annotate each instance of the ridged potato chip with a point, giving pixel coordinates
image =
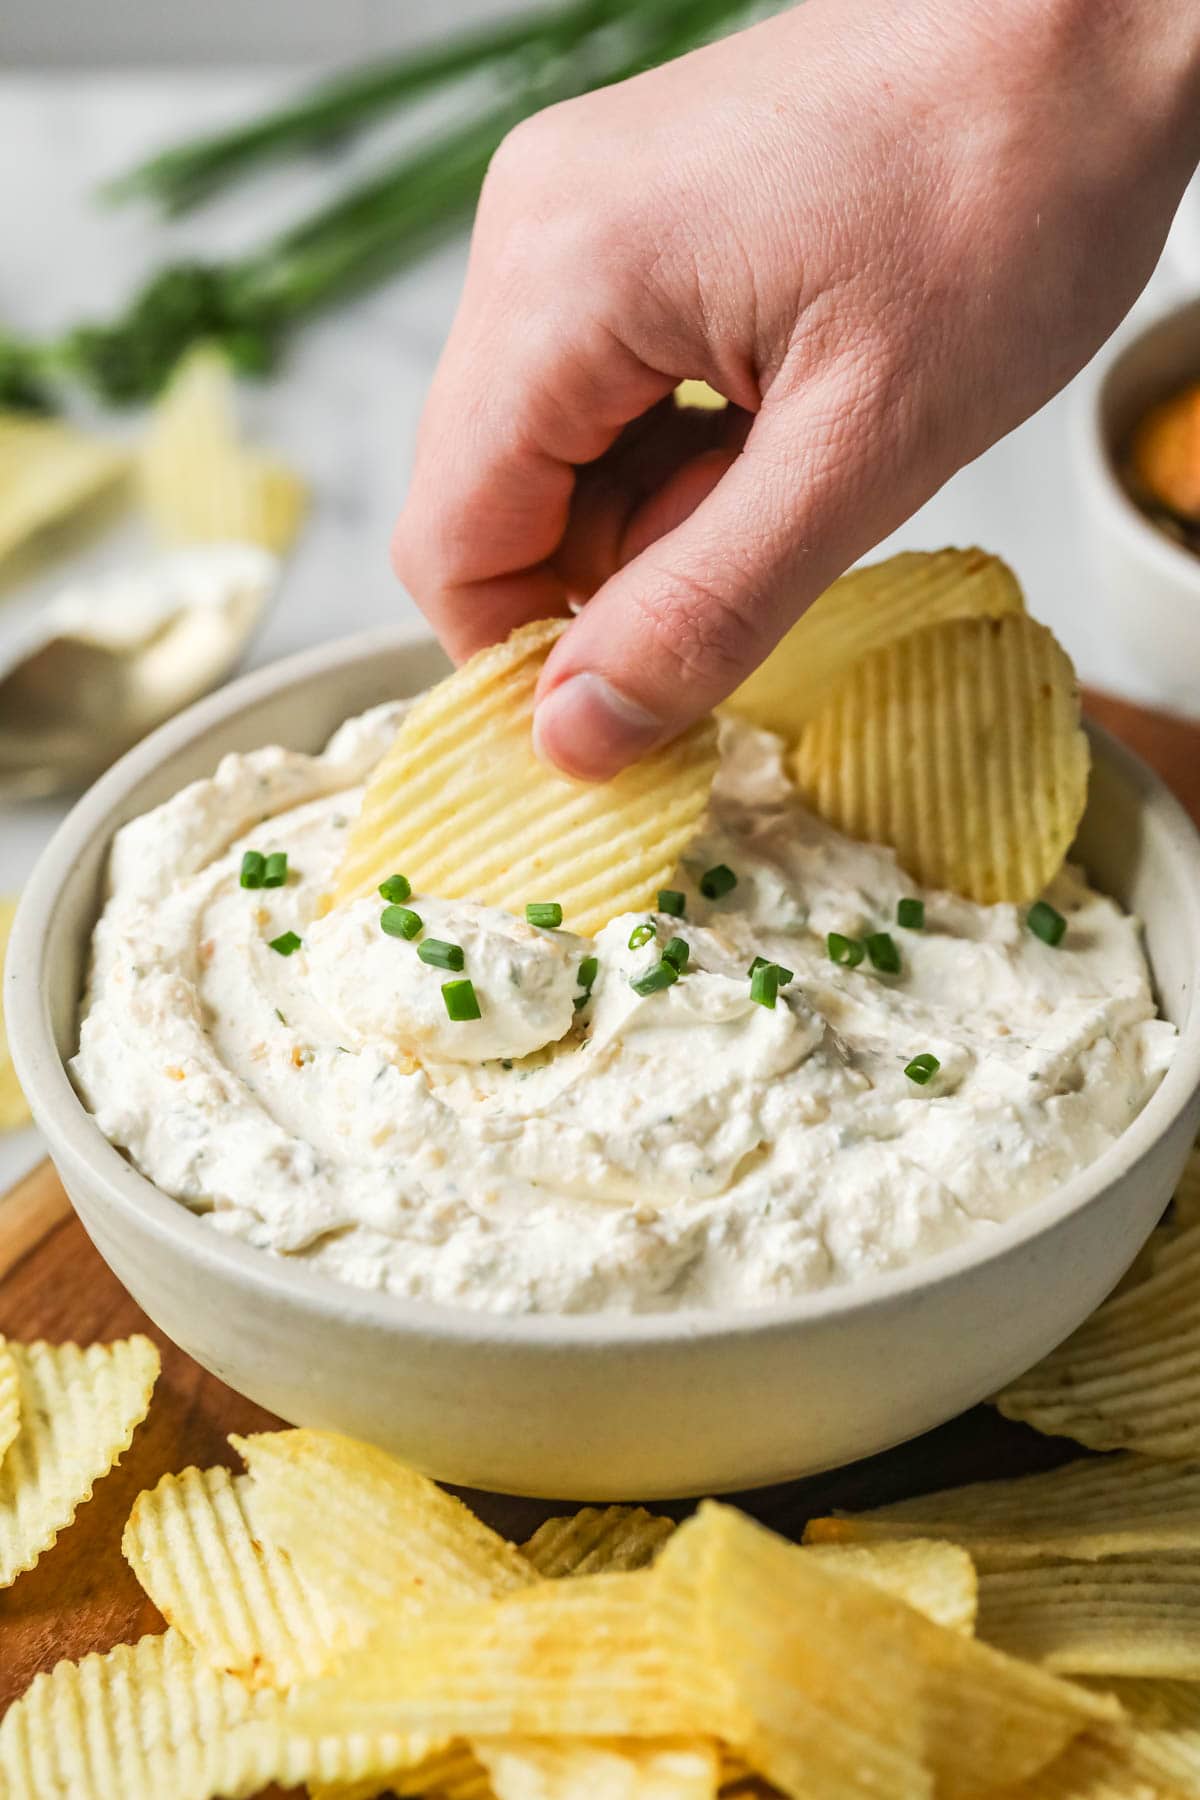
(1129, 1378)
(1118, 1506)
(10, 1398)
(199, 482)
(938, 1579)
(597, 1539)
(463, 808)
(14, 1111)
(1098, 1765)
(830, 1687)
(47, 470)
(863, 612)
(236, 1598)
(450, 1774)
(1122, 1615)
(79, 1410)
(1165, 1716)
(683, 1769)
(699, 394)
(961, 747)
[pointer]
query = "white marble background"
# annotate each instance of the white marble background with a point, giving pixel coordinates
(347, 404)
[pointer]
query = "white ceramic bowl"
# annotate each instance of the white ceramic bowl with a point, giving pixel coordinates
(599, 1407)
(1148, 585)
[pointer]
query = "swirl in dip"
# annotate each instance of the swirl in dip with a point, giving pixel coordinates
(685, 1148)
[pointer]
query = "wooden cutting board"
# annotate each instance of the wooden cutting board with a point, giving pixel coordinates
(81, 1596)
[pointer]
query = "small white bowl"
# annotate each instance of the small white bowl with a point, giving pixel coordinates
(597, 1407)
(1149, 585)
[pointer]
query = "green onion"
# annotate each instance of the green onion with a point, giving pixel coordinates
(286, 943)
(676, 952)
(717, 881)
(276, 872)
(671, 901)
(544, 912)
(1045, 923)
(883, 953)
(440, 955)
(923, 1068)
(589, 968)
(662, 975)
(396, 888)
(399, 921)
(763, 962)
(911, 914)
(641, 934)
(254, 867)
(764, 985)
(461, 1003)
(846, 952)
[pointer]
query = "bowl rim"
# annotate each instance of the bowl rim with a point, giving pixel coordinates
(74, 1137)
(1094, 453)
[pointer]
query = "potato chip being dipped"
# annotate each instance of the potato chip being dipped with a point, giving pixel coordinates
(961, 747)
(865, 611)
(465, 809)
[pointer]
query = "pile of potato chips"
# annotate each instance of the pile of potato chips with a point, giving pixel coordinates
(336, 1621)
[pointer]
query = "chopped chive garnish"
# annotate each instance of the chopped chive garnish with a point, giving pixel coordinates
(911, 914)
(662, 975)
(764, 984)
(717, 881)
(923, 1068)
(254, 867)
(883, 953)
(846, 952)
(400, 921)
(1045, 923)
(589, 968)
(544, 912)
(461, 1003)
(641, 934)
(276, 871)
(396, 888)
(580, 1001)
(286, 943)
(440, 955)
(670, 900)
(676, 952)
(764, 962)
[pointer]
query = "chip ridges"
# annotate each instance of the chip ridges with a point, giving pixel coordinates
(961, 747)
(596, 1539)
(1120, 1615)
(680, 1769)
(463, 806)
(10, 1398)
(938, 1579)
(236, 1598)
(79, 1410)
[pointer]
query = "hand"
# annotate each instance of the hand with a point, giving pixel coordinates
(886, 233)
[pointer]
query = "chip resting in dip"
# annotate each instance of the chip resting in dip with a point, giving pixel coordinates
(490, 1039)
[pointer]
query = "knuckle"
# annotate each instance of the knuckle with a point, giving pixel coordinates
(705, 630)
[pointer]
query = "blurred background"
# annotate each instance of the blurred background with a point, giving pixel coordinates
(337, 259)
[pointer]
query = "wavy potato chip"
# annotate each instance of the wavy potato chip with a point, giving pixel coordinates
(1165, 1716)
(865, 611)
(937, 1579)
(14, 1112)
(199, 482)
(597, 1539)
(1129, 1378)
(682, 1769)
(10, 1398)
(236, 1599)
(1098, 1765)
(1121, 1615)
(961, 747)
(1118, 1506)
(79, 1410)
(463, 808)
(47, 470)
(450, 1774)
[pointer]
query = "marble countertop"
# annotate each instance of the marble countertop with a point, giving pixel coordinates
(346, 408)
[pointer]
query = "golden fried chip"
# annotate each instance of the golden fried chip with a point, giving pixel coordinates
(1098, 1765)
(863, 612)
(199, 482)
(937, 1578)
(10, 1398)
(699, 394)
(47, 470)
(462, 806)
(613, 1769)
(1165, 1716)
(961, 747)
(597, 1539)
(372, 1536)
(1118, 1506)
(1121, 1615)
(79, 1410)
(1129, 1378)
(14, 1111)
(237, 1599)
(830, 1687)
(451, 1774)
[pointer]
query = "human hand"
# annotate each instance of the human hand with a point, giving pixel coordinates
(887, 234)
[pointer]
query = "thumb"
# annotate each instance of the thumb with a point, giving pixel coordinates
(683, 623)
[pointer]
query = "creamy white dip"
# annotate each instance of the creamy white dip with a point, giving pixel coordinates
(690, 1148)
